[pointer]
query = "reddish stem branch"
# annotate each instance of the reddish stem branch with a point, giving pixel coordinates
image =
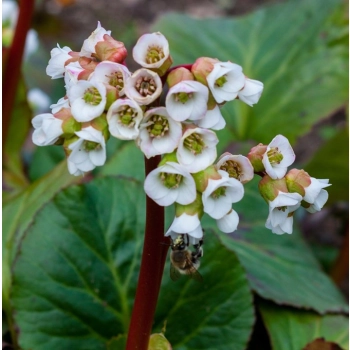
(151, 271)
(12, 69)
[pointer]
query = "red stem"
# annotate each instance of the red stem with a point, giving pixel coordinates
(155, 250)
(12, 68)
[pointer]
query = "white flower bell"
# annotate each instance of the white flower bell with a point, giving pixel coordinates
(251, 92)
(59, 56)
(316, 195)
(47, 129)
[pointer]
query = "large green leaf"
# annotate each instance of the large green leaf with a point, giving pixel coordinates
(290, 47)
(292, 329)
(281, 268)
(75, 276)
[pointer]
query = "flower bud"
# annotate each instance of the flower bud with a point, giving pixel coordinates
(69, 125)
(297, 180)
(110, 50)
(157, 341)
(202, 67)
(168, 157)
(201, 178)
(101, 124)
(112, 94)
(177, 75)
(256, 155)
(270, 188)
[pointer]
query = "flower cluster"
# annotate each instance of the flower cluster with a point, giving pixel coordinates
(285, 191)
(103, 99)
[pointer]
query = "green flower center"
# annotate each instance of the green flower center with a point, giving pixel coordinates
(221, 191)
(282, 208)
(183, 97)
(116, 80)
(92, 96)
(126, 116)
(154, 54)
(274, 155)
(219, 82)
(171, 180)
(158, 126)
(194, 143)
(145, 86)
(91, 145)
(232, 168)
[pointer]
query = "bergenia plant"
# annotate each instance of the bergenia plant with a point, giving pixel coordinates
(171, 113)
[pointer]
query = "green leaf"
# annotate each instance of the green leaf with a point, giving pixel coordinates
(218, 312)
(331, 162)
(291, 329)
(304, 70)
(117, 343)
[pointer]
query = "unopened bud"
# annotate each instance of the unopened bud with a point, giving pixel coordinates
(269, 188)
(110, 50)
(256, 155)
(177, 75)
(202, 67)
(202, 177)
(101, 124)
(112, 94)
(297, 180)
(169, 157)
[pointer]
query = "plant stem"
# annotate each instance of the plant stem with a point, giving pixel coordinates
(155, 250)
(13, 62)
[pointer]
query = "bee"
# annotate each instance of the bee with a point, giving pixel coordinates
(183, 260)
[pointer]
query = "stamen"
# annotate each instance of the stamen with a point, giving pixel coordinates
(158, 126)
(232, 168)
(154, 54)
(92, 96)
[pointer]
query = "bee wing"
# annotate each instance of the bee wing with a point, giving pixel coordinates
(196, 275)
(174, 273)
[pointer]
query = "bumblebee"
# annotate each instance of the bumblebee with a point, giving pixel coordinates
(183, 260)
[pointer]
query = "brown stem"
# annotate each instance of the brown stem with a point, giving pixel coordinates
(152, 265)
(13, 62)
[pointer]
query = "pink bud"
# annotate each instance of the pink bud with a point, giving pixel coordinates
(256, 155)
(110, 50)
(177, 75)
(297, 180)
(202, 67)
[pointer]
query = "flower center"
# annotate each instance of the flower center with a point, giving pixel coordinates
(194, 143)
(91, 145)
(158, 126)
(92, 96)
(116, 80)
(154, 54)
(171, 180)
(284, 208)
(219, 82)
(275, 156)
(183, 97)
(232, 168)
(126, 116)
(221, 191)
(145, 86)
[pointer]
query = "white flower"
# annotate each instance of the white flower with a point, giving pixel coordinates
(144, 86)
(225, 81)
(159, 134)
(186, 224)
(278, 157)
(237, 166)
(88, 151)
(111, 73)
(89, 44)
(187, 100)
(280, 219)
(124, 117)
(170, 183)
(87, 100)
(316, 195)
(229, 222)
(59, 56)
(151, 50)
(251, 92)
(38, 100)
(63, 102)
(197, 149)
(220, 194)
(71, 73)
(47, 129)
(212, 120)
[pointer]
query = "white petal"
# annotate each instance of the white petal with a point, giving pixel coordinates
(229, 222)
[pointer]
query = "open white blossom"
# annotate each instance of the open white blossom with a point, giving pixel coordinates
(225, 81)
(87, 100)
(89, 44)
(229, 222)
(187, 100)
(278, 157)
(170, 183)
(144, 86)
(281, 209)
(213, 119)
(111, 73)
(124, 117)
(316, 195)
(220, 194)
(186, 224)
(237, 166)
(47, 129)
(197, 149)
(159, 134)
(59, 56)
(63, 102)
(151, 50)
(88, 151)
(251, 92)
(71, 73)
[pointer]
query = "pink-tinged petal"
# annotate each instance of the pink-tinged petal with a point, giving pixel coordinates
(229, 222)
